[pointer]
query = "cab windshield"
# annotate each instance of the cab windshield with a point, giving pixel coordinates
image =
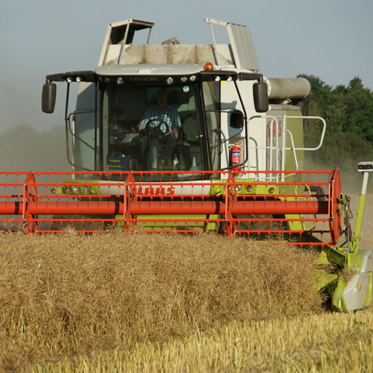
(152, 127)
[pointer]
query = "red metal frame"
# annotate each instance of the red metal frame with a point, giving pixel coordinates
(307, 203)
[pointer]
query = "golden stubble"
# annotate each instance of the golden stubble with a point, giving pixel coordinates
(68, 296)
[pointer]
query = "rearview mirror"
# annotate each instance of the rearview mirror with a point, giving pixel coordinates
(260, 93)
(48, 97)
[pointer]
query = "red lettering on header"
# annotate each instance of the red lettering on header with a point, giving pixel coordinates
(159, 190)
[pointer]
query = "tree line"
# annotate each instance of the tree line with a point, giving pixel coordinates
(348, 111)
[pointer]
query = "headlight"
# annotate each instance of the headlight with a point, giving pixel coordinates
(74, 189)
(84, 189)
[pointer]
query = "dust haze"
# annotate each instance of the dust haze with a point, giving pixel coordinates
(29, 139)
(26, 149)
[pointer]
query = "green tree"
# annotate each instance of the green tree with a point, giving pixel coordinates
(359, 109)
(348, 112)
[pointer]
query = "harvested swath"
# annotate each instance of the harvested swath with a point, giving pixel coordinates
(71, 295)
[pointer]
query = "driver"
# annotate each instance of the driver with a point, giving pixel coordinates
(166, 116)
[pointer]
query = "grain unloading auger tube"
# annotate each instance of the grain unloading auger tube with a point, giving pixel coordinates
(305, 206)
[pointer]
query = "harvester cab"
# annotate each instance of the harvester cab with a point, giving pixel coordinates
(217, 92)
(193, 138)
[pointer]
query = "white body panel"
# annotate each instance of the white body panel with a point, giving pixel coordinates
(256, 126)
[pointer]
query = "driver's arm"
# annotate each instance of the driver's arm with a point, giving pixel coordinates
(176, 124)
(139, 127)
(175, 131)
(143, 120)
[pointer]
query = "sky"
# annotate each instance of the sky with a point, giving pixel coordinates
(331, 39)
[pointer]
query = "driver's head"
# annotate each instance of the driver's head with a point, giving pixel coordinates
(161, 98)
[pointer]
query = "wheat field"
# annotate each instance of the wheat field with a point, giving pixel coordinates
(155, 303)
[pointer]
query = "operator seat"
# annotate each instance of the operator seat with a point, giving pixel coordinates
(191, 141)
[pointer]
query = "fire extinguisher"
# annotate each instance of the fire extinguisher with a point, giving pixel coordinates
(235, 156)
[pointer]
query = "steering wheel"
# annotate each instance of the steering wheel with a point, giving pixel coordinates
(156, 134)
(159, 130)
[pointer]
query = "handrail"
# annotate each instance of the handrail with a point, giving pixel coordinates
(293, 149)
(276, 148)
(322, 133)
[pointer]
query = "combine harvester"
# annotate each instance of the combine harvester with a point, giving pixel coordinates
(235, 156)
